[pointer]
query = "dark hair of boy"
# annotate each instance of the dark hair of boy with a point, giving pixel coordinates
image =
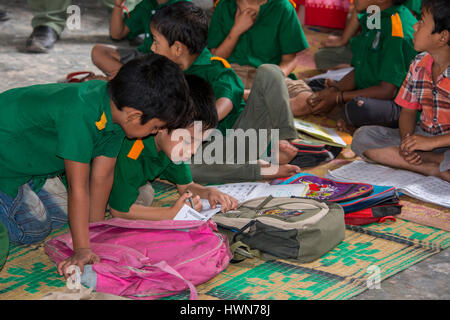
(203, 101)
(398, 2)
(156, 86)
(440, 10)
(184, 22)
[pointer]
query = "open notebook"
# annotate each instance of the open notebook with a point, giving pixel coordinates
(242, 192)
(428, 189)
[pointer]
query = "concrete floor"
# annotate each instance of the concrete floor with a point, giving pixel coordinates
(426, 280)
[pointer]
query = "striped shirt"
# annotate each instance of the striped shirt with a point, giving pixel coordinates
(419, 92)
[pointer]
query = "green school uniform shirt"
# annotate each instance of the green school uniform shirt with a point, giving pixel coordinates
(139, 162)
(415, 6)
(276, 31)
(139, 21)
(384, 54)
(42, 125)
(224, 81)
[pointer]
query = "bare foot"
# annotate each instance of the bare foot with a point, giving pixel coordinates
(281, 171)
(287, 152)
(344, 127)
(445, 175)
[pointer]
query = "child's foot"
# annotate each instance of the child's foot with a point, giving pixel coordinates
(287, 152)
(271, 172)
(345, 127)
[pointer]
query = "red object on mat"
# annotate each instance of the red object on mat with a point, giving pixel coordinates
(326, 13)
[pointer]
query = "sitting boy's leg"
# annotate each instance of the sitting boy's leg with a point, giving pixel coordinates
(328, 58)
(268, 109)
(146, 195)
(381, 145)
(106, 58)
(25, 216)
(363, 111)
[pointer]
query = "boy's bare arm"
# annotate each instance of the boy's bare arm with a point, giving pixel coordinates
(407, 122)
(288, 63)
(78, 209)
(101, 181)
(242, 22)
(384, 90)
(224, 107)
(118, 29)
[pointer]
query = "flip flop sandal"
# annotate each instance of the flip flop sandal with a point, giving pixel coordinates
(74, 76)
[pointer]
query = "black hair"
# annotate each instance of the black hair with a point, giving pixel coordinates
(398, 2)
(203, 101)
(440, 10)
(184, 22)
(154, 85)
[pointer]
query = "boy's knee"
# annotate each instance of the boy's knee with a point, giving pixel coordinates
(269, 71)
(361, 140)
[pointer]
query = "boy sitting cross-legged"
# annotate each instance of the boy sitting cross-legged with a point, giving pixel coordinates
(77, 129)
(423, 147)
(179, 32)
(381, 57)
(108, 58)
(162, 155)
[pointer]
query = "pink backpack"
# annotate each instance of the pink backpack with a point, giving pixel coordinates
(150, 259)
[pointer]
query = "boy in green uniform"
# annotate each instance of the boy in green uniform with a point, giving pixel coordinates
(179, 32)
(249, 33)
(77, 130)
(381, 59)
(109, 59)
(336, 51)
(141, 161)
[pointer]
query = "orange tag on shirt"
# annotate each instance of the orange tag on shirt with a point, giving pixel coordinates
(136, 149)
(224, 62)
(101, 124)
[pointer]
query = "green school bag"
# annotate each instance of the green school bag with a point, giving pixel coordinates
(299, 229)
(4, 245)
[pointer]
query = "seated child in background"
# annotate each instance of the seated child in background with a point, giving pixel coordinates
(141, 161)
(77, 129)
(336, 52)
(249, 33)
(108, 58)
(425, 147)
(381, 58)
(179, 31)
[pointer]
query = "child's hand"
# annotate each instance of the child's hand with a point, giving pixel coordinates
(79, 258)
(184, 200)
(417, 142)
(245, 19)
(227, 202)
(323, 101)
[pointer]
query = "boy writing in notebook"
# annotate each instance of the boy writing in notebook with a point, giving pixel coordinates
(77, 130)
(423, 147)
(108, 58)
(249, 33)
(179, 32)
(381, 57)
(162, 155)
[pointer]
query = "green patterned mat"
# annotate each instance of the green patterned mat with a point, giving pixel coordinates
(340, 274)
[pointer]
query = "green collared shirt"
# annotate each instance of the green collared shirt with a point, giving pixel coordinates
(384, 54)
(224, 82)
(42, 125)
(276, 32)
(139, 21)
(139, 162)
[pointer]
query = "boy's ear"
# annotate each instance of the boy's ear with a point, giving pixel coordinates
(179, 48)
(133, 114)
(444, 38)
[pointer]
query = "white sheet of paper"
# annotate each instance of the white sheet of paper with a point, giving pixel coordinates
(428, 189)
(187, 213)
